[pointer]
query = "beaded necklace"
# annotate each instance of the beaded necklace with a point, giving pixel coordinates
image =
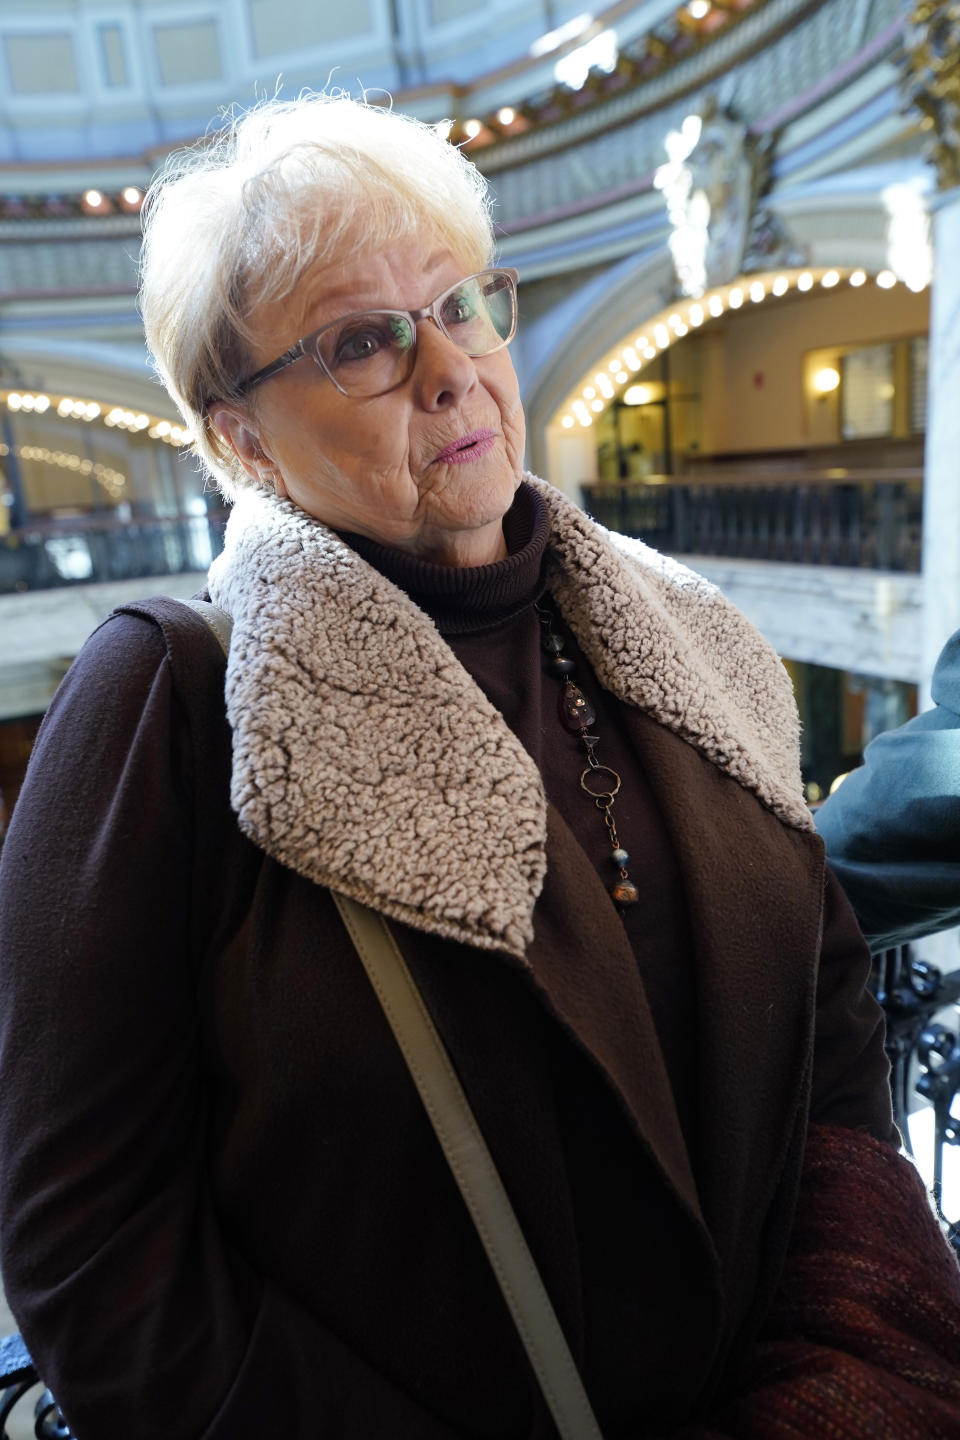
(598, 781)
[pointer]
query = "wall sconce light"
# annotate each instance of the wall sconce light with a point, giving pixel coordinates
(826, 380)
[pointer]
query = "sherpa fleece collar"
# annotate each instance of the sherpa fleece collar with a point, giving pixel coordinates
(367, 759)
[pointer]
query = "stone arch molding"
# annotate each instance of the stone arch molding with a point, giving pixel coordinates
(842, 223)
(115, 373)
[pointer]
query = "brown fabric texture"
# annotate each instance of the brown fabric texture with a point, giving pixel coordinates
(864, 1339)
(222, 1210)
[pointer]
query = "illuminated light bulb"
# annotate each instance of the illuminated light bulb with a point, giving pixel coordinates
(641, 342)
(699, 9)
(94, 199)
(886, 279)
(596, 406)
(579, 409)
(506, 115)
(586, 420)
(613, 366)
(65, 408)
(675, 321)
(443, 129)
(662, 335)
(142, 421)
(631, 358)
(682, 330)
(567, 422)
(13, 401)
(735, 298)
(472, 129)
(637, 395)
(27, 402)
(621, 377)
(132, 196)
(781, 285)
(826, 380)
(91, 410)
(858, 278)
(589, 393)
(41, 404)
(805, 281)
(604, 386)
(650, 353)
(831, 278)
(696, 316)
(757, 292)
(715, 305)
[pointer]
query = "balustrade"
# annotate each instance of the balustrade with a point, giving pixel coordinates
(44, 555)
(867, 518)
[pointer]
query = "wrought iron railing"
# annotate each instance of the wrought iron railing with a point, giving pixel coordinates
(49, 554)
(924, 1056)
(924, 1053)
(864, 518)
(17, 1378)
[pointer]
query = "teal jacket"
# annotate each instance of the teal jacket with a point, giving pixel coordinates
(892, 829)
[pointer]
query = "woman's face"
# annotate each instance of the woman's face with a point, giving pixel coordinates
(387, 466)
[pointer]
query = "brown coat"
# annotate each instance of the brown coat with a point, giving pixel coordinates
(223, 1212)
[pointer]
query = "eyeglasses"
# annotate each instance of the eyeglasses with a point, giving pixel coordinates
(373, 352)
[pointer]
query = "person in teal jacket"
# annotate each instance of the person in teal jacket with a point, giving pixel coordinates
(892, 829)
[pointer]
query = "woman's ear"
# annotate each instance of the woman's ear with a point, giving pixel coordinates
(239, 433)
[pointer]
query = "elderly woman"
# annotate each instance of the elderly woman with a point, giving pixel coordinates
(565, 772)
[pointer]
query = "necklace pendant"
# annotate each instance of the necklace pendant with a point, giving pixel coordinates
(625, 892)
(576, 712)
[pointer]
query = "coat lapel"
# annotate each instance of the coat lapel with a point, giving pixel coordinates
(366, 758)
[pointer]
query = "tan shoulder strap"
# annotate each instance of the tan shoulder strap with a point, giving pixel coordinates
(473, 1169)
(219, 621)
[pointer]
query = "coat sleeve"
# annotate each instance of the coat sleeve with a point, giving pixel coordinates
(863, 1340)
(892, 829)
(141, 1315)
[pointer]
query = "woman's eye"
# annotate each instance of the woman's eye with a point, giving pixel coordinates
(458, 309)
(360, 344)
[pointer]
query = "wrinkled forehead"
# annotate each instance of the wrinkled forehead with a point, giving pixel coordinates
(406, 273)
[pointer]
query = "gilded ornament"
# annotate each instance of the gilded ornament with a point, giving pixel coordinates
(931, 82)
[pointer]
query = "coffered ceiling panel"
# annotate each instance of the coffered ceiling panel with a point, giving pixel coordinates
(187, 54)
(41, 64)
(279, 29)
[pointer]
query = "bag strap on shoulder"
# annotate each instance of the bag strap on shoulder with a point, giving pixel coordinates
(473, 1169)
(219, 621)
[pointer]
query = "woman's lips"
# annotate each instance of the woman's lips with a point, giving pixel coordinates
(468, 447)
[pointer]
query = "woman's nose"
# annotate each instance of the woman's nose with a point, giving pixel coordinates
(443, 374)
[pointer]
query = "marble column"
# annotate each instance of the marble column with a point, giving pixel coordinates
(941, 488)
(930, 78)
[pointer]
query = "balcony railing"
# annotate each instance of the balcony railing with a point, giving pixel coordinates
(864, 518)
(48, 554)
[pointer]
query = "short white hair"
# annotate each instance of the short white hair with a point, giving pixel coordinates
(232, 223)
